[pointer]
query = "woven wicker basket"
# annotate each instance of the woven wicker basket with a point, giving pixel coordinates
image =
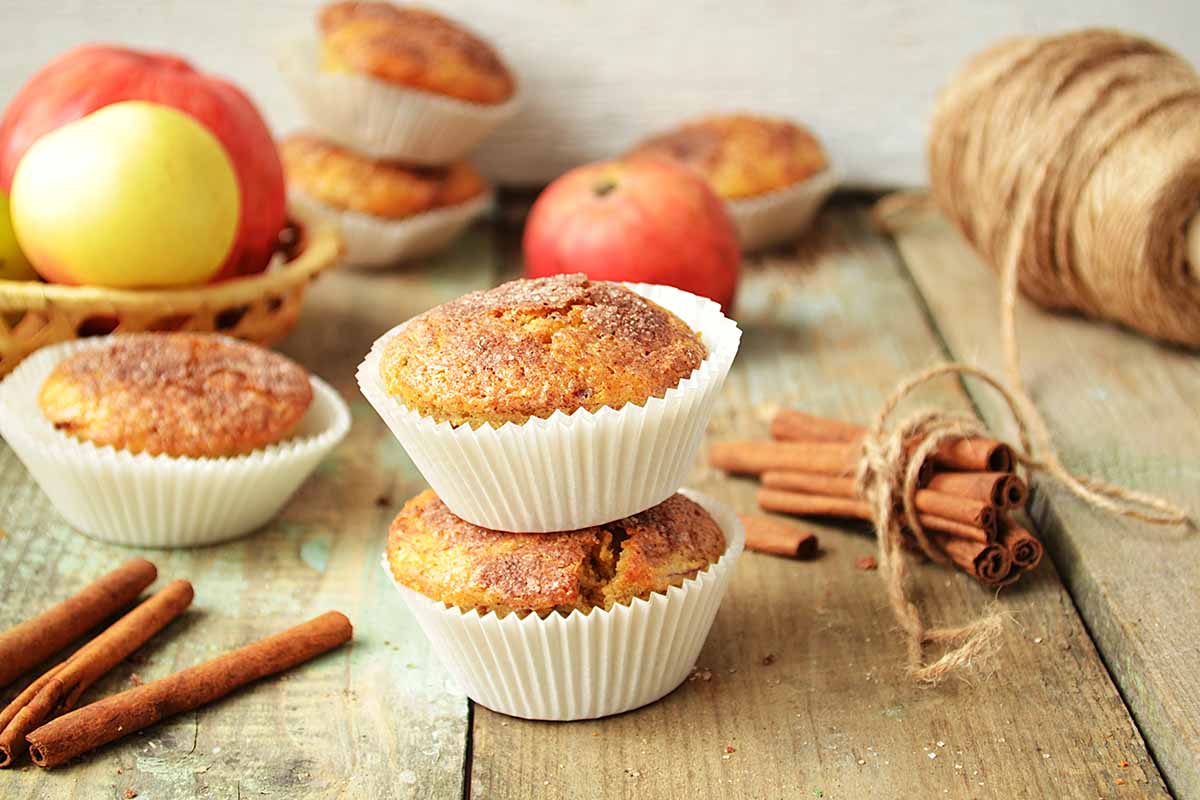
(260, 308)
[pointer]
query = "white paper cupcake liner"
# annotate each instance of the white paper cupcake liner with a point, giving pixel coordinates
(582, 666)
(376, 243)
(568, 471)
(380, 119)
(159, 501)
(780, 215)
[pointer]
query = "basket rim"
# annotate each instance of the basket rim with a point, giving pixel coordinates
(320, 248)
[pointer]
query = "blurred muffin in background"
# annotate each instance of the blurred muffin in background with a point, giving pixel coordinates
(388, 189)
(412, 47)
(772, 173)
(388, 211)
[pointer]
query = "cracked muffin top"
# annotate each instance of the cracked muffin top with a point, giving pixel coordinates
(412, 47)
(390, 190)
(531, 347)
(450, 560)
(177, 394)
(740, 155)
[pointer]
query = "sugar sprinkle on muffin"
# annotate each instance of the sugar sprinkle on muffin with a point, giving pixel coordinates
(413, 47)
(177, 394)
(531, 347)
(390, 190)
(740, 155)
(447, 559)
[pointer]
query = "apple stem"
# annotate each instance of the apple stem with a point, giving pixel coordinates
(603, 187)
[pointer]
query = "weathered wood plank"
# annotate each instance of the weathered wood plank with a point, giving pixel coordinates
(376, 719)
(832, 328)
(1124, 408)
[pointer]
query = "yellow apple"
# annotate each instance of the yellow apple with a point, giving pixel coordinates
(133, 195)
(14, 266)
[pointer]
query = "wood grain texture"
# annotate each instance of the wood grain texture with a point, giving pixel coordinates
(601, 74)
(802, 674)
(1122, 408)
(373, 719)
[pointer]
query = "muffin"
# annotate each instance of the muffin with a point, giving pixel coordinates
(553, 404)
(454, 562)
(177, 394)
(739, 155)
(398, 83)
(568, 625)
(388, 211)
(532, 347)
(412, 47)
(386, 189)
(168, 439)
(772, 173)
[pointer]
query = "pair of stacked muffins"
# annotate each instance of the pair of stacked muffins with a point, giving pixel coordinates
(397, 97)
(555, 565)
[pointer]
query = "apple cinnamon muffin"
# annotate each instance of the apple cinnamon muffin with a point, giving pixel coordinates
(452, 561)
(412, 47)
(531, 347)
(345, 180)
(177, 394)
(740, 155)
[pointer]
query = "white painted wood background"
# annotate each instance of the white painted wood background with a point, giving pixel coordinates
(599, 74)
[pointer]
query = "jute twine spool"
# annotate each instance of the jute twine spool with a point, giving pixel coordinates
(1072, 163)
(1097, 133)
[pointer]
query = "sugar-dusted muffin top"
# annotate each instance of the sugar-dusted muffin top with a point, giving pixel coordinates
(740, 155)
(178, 394)
(531, 347)
(346, 180)
(413, 47)
(445, 558)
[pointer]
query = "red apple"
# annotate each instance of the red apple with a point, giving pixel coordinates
(645, 221)
(90, 77)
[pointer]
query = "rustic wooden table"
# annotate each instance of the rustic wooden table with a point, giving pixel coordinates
(1095, 692)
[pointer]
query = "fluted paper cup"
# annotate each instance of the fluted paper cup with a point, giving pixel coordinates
(380, 119)
(374, 243)
(780, 215)
(582, 666)
(159, 501)
(568, 471)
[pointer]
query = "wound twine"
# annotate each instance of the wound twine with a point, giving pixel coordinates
(1097, 132)
(1039, 153)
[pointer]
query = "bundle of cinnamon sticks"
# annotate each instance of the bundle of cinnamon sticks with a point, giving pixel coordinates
(42, 719)
(968, 492)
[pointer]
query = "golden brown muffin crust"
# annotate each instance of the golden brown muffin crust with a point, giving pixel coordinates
(414, 47)
(531, 347)
(445, 558)
(740, 155)
(178, 394)
(345, 180)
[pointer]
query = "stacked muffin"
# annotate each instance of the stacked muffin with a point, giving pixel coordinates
(397, 97)
(555, 565)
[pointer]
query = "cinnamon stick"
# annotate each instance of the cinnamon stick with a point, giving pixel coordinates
(988, 563)
(1025, 548)
(768, 535)
(966, 510)
(756, 457)
(815, 505)
(59, 690)
(792, 425)
(1001, 489)
(35, 640)
(120, 715)
(976, 453)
